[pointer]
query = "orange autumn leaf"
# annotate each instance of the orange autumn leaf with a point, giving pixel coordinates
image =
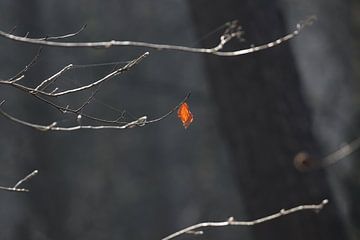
(185, 115)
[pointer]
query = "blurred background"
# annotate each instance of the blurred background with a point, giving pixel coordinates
(252, 115)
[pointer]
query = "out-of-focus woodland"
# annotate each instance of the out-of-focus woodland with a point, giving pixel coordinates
(253, 114)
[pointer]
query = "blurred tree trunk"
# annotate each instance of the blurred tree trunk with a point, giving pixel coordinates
(352, 181)
(266, 122)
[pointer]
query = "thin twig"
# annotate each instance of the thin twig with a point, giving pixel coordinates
(107, 77)
(16, 188)
(171, 111)
(63, 36)
(90, 98)
(67, 109)
(217, 50)
(140, 122)
(304, 161)
(21, 73)
(341, 153)
(231, 221)
(44, 84)
(38, 90)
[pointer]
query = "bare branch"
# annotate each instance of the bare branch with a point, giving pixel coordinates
(232, 222)
(41, 93)
(52, 78)
(171, 111)
(16, 188)
(304, 161)
(63, 36)
(38, 90)
(140, 122)
(217, 50)
(341, 153)
(67, 109)
(107, 77)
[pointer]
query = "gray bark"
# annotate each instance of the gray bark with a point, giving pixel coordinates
(266, 122)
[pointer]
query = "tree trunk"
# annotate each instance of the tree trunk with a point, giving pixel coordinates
(266, 122)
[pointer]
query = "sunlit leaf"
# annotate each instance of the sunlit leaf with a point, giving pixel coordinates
(185, 115)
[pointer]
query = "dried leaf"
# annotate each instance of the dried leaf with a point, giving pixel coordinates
(185, 115)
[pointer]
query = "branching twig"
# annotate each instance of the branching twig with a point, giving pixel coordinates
(63, 36)
(140, 122)
(16, 188)
(20, 74)
(67, 109)
(232, 222)
(41, 93)
(50, 80)
(217, 50)
(37, 90)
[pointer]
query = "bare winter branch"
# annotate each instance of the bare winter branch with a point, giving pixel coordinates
(64, 36)
(16, 188)
(41, 94)
(304, 161)
(140, 122)
(196, 229)
(341, 153)
(38, 89)
(217, 50)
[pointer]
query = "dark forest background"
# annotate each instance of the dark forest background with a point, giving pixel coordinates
(253, 114)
